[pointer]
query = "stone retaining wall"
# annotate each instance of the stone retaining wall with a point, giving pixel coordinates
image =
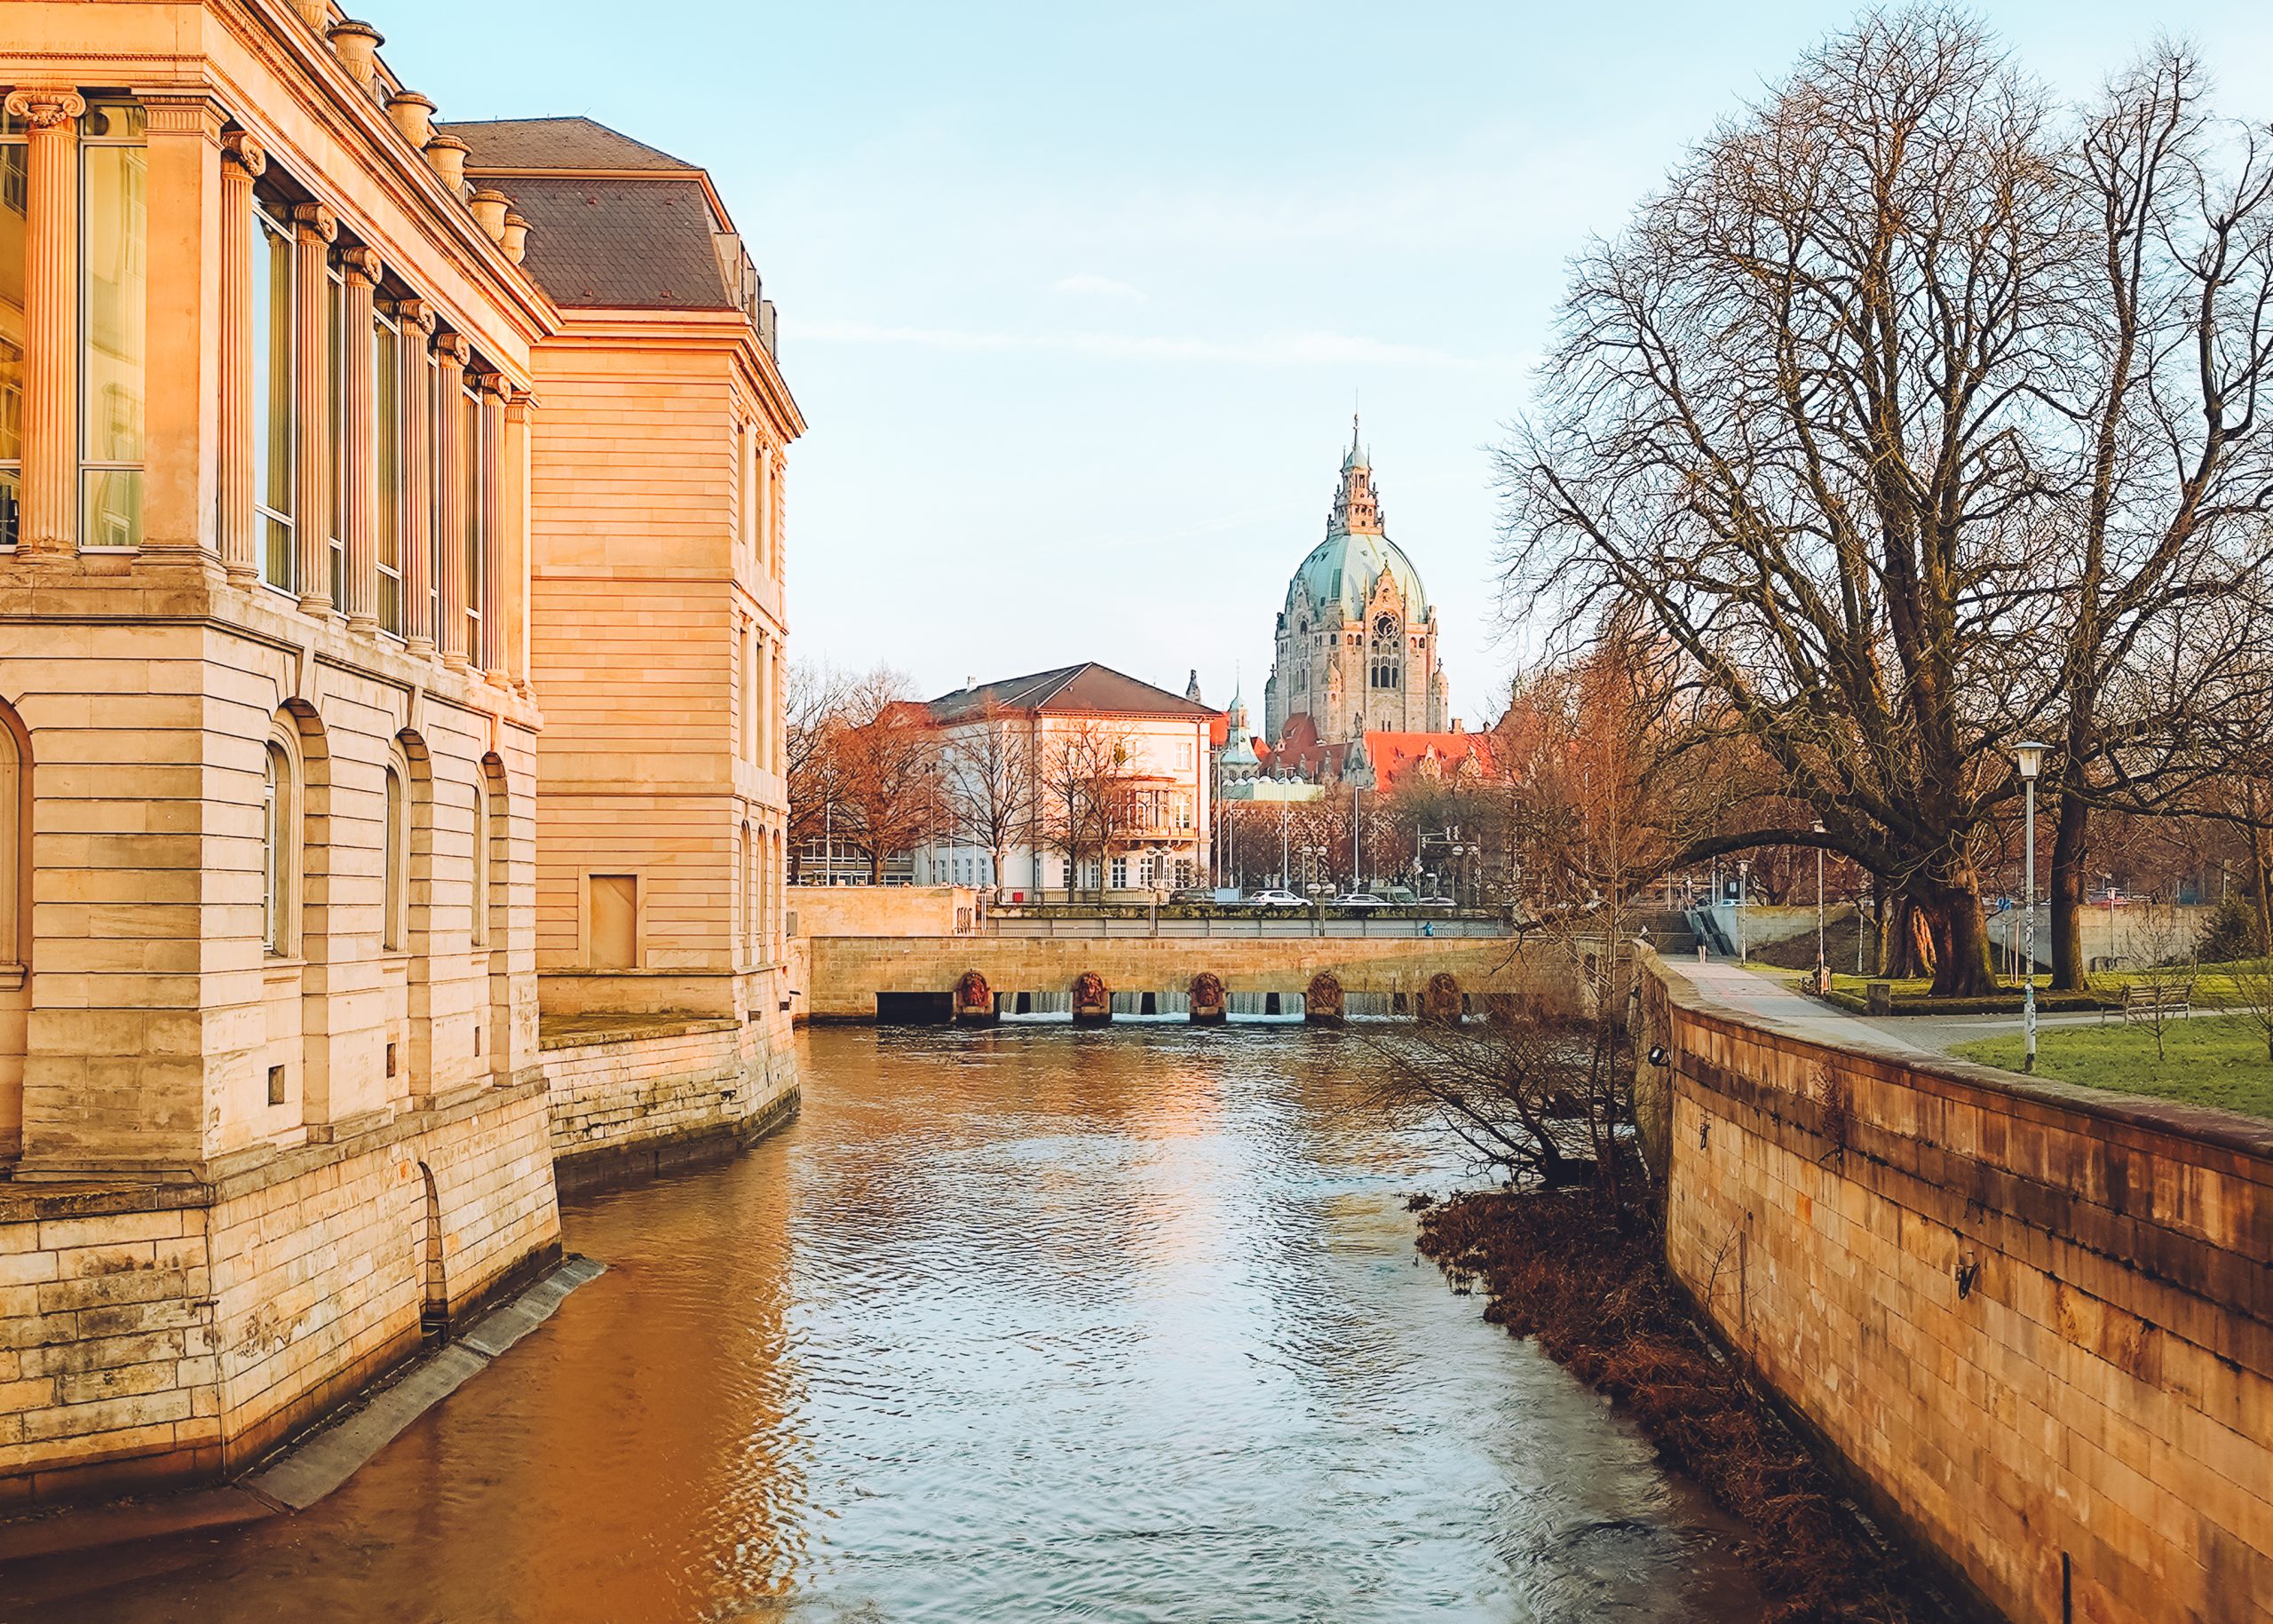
(155, 1335)
(2036, 1321)
(650, 1093)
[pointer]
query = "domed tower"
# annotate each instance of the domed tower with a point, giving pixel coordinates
(1357, 640)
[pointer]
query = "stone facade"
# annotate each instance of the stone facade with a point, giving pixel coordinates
(2033, 1320)
(272, 1109)
(640, 1098)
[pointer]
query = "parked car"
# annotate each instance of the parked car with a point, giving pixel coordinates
(1395, 896)
(1276, 899)
(1360, 899)
(1193, 893)
(1432, 902)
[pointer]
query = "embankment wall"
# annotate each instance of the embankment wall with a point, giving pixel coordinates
(2035, 1321)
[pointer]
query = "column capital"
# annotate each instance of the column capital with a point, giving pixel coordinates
(315, 223)
(184, 113)
(517, 407)
(416, 316)
(44, 108)
(242, 148)
(363, 265)
(455, 349)
(495, 385)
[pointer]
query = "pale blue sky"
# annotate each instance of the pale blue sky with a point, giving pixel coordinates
(1076, 298)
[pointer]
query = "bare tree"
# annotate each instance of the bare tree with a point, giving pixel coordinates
(988, 780)
(884, 761)
(813, 705)
(1790, 417)
(2174, 469)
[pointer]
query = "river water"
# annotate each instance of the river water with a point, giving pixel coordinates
(1025, 1323)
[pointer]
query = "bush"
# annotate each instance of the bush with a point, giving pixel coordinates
(2231, 934)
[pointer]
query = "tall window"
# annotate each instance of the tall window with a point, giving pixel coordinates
(15, 208)
(386, 467)
(276, 850)
(272, 397)
(395, 863)
(442, 390)
(477, 524)
(114, 278)
(335, 392)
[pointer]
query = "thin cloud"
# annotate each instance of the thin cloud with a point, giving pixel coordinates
(1084, 283)
(1287, 349)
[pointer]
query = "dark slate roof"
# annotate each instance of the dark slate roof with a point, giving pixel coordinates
(1085, 689)
(620, 244)
(555, 144)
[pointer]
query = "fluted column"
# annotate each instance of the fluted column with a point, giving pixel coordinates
(242, 160)
(449, 499)
(516, 528)
(50, 520)
(315, 228)
(417, 320)
(363, 270)
(491, 655)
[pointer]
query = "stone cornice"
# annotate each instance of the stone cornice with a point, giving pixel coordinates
(693, 332)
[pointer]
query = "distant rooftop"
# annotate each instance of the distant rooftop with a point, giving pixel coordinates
(581, 144)
(1087, 689)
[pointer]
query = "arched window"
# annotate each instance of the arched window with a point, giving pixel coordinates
(276, 850)
(481, 836)
(395, 861)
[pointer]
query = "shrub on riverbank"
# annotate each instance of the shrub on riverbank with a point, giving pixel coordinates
(1595, 1292)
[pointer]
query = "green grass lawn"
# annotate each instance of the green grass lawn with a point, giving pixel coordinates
(2219, 1060)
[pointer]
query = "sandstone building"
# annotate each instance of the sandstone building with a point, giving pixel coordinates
(274, 475)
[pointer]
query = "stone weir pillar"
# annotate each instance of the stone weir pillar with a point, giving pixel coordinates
(1322, 999)
(1092, 1000)
(1207, 999)
(974, 1001)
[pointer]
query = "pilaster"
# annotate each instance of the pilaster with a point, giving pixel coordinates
(315, 229)
(180, 503)
(242, 160)
(516, 528)
(417, 318)
(362, 270)
(449, 505)
(495, 538)
(50, 523)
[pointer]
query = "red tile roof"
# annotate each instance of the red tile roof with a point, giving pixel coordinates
(1087, 689)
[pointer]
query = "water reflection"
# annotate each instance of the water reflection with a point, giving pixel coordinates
(1028, 1323)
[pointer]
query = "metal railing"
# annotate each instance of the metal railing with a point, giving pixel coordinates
(1254, 926)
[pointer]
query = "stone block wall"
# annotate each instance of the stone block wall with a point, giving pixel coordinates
(161, 1334)
(2036, 1321)
(636, 1095)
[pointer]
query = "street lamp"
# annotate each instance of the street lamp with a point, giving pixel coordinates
(2030, 757)
(1822, 965)
(1744, 939)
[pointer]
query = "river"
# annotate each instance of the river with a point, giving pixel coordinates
(1025, 1323)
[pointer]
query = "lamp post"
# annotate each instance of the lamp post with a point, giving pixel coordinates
(1744, 939)
(2030, 757)
(1822, 964)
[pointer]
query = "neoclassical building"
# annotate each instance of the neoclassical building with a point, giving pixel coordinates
(275, 472)
(1356, 647)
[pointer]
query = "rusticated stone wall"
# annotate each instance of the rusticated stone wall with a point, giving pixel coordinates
(155, 1335)
(2036, 1321)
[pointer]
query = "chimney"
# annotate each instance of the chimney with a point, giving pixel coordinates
(1456, 726)
(357, 46)
(516, 240)
(413, 115)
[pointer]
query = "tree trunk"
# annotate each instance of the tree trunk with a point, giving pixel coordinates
(1952, 907)
(2068, 888)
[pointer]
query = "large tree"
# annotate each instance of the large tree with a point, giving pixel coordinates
(1921, 421)
(988, 780)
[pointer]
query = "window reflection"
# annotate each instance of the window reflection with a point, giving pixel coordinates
(113, 302)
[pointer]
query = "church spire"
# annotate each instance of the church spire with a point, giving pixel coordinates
(1356, 509)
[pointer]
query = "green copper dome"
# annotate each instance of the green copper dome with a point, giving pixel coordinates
(1342, 568)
